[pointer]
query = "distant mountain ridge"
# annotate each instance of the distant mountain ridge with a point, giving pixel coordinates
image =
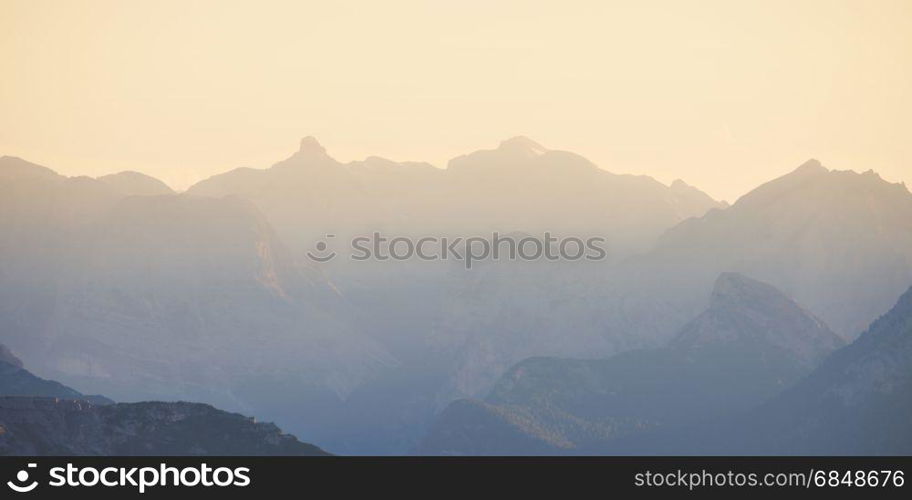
(743, 310)
(15, 380)
(519, 186)
(167, 297)
(839, 242)
(44, 426)
(93, 271)
(857, 403)
(748, 345)
(41, 417)
(504, 189)
(136, 184)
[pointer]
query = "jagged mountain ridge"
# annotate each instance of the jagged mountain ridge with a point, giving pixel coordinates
(856, 403)
(15, 380)
(839, 242)
(49, 426)
(748, 345)
(41, 417)
(639, 303)
(170, 297)
(136, 184)
(520, 186)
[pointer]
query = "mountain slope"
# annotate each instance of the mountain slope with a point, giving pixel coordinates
(17, 381)
(857, 403)
(748, 345)
(132, 183)
(424, 310)
(520, 186)
(172, 297)
(838, 242)
(42, 417)
(44, 426)
(195, 298)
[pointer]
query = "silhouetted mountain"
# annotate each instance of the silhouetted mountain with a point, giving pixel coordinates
(520, 186)
(17, 381)
(198, 297)
(747, 346)
(42, 417)
(171, 297)
(136, 184)
(14, 169)
(523, 186)
(310, 194)
(52, 426)
(7, 356)
(189, 297)
(857, 403)
(748, 316)
(838, 242)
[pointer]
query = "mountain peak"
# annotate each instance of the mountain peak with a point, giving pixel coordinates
(129, 182)
(310, 145)
(744, 310)
(736, 286)
(811, 166)
(524, 145)
(12, 167)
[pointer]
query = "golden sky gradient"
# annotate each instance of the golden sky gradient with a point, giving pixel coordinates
(723, 94)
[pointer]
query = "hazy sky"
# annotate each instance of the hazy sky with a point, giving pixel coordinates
(724, 94)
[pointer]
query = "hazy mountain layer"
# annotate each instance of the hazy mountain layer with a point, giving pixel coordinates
(117, 286)
(520, 186)
(17, 381)
(46, 426)
(747, 346)
(171, 297)
(416, 309)
(136, 184)
(43, 417)
(838, 242)
(857, 403)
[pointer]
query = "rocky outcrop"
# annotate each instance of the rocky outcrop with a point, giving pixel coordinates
(53, 426)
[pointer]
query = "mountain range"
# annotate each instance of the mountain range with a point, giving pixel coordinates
(41, 417)
(123, 287)
(765, 401)
(519, 186)
(747, 346)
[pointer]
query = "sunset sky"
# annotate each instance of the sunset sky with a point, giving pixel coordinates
(723, 94)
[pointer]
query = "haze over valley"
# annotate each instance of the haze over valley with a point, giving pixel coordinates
(588, 227)
(120, 286)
